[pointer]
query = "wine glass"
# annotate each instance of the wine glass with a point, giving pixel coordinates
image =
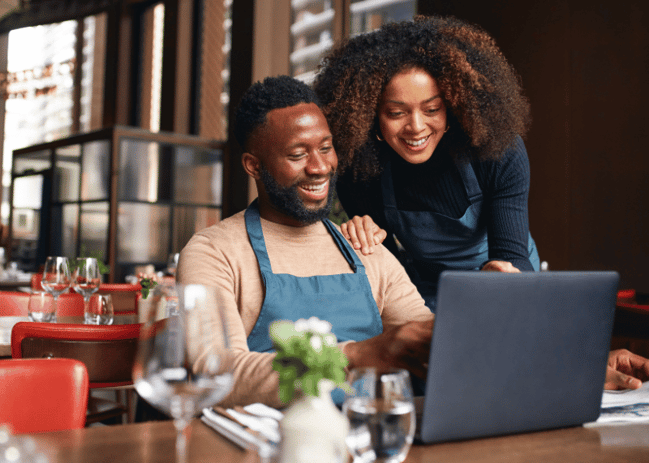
(172, 264)
(100, 310)
(87, 279)
(56, 277)
(381, 414)
(183, 363)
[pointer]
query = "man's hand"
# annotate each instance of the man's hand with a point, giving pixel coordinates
(363, 233)
(500, 266)
(406, 346)
(626, 370)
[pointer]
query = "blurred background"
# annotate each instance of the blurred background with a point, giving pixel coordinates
(116, 142)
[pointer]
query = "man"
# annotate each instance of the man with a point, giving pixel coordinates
(280, 260)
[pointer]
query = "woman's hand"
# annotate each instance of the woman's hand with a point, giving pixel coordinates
(500, 266)
(363, 233)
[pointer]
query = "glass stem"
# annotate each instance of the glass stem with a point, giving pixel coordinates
(180, 408)
(182, 436)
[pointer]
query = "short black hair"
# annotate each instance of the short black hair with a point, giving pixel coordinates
(263, 97)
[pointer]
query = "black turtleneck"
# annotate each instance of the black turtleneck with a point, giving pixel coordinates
(436, 186)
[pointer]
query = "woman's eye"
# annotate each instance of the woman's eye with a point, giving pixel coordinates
(432, 110)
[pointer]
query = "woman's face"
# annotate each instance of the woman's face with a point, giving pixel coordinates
(412, 115)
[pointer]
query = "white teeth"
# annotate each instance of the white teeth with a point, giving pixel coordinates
(315, 188)
(416, 143)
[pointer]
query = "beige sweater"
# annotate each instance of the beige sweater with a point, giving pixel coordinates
(221, 256)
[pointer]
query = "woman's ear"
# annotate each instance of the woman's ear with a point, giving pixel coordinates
(251, 165)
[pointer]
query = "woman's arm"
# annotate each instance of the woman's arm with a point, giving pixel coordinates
(506, 198)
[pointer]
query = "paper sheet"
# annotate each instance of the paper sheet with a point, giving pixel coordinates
(627, 406)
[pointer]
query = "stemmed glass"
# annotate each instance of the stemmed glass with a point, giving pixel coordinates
(381, 414)
(56, 277)
(183, 363)
(87, 279)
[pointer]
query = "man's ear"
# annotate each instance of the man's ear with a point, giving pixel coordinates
(251, 165)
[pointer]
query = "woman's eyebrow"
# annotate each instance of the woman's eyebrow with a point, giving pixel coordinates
(425, 101)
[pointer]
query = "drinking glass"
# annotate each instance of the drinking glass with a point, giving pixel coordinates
(56, 276)
(87, 279)
(381, 414)
(99, 310)
(172, 264)
(41, 307)
(183, 363)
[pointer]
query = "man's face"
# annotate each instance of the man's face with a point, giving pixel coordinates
(297, 165)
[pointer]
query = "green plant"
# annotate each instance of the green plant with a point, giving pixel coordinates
(147, 285)
(307, 352)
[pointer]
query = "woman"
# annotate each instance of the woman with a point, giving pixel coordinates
(427, 118)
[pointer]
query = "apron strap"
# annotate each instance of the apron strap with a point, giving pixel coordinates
(256, 237)
(351, 257)
(471, 185)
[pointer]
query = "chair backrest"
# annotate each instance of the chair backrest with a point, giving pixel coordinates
(108, 351)
(124, 296)
(13, 303)
(40, 395)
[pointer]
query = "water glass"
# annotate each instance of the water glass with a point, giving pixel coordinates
(99, 310)
(381, 414)
(41, 307)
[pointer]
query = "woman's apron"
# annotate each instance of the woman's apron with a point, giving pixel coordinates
(435, 242)
(344, 300)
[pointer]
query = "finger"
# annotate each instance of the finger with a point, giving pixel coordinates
(379, 236)
(362, 228)
(618, 380)
(344, 231)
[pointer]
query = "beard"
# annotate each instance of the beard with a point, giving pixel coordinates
(287, 199)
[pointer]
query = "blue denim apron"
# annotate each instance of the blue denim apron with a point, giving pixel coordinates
(344, 300)
(435, 242)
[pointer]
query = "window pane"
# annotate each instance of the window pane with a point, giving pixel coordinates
(189, 220)
(25, 224)
(368, 15)
(198, 176)
(67, 173)
(311, 36)
(142, 163)
(64, 230)
(38, 96)
(36, 161)
(28, 191)
(95, 178)
(94, 229)
(143, 233)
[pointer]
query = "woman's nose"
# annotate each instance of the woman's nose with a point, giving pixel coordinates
(416, 122)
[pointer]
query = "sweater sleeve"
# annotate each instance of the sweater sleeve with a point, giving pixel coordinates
(506, 205)
(253, 376)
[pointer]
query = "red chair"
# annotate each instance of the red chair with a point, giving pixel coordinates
(40, 395)
(13, 303)
(124, 296)
(108, 352)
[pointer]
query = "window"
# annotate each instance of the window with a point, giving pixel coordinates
(315, 24)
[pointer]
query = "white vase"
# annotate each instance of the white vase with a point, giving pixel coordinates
(314, 430)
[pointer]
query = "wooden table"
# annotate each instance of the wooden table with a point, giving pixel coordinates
(154, 442)
(7, 323)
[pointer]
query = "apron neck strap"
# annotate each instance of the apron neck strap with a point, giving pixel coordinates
(256, 237)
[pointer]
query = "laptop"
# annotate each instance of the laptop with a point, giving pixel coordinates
(517, 352)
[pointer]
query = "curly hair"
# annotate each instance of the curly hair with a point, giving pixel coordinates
(486, 107)
(262, 97)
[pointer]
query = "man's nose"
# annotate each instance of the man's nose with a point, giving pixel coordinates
(317, 164)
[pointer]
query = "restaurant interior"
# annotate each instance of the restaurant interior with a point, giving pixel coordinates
(115, 144)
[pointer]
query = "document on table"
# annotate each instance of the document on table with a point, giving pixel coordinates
(627, 406)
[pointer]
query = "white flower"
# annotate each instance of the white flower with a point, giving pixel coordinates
(319, 326)
(316, 343)
(330, 340)
(302, 325)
